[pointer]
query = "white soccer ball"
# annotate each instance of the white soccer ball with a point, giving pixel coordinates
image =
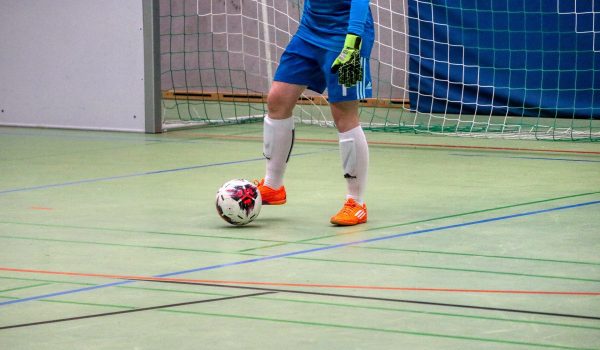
(238, 202)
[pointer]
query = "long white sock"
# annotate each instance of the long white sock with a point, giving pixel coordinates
(278, 140)
(354, 152)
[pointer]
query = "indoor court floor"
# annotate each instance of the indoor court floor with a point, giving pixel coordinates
(111, 241)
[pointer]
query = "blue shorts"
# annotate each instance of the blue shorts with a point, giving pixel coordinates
(303, 63)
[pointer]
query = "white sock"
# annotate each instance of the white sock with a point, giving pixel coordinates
(354, 152)
(278, 140)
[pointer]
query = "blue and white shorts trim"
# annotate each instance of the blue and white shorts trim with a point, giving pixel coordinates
(303, 63)
(364, 88)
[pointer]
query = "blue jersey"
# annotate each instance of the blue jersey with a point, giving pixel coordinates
(325, 23)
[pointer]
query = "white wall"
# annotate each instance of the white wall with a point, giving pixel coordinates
(72, 64)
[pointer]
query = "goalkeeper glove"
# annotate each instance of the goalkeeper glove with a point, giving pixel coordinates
(347, 64)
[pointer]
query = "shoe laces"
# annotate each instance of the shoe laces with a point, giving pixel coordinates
(348, 208)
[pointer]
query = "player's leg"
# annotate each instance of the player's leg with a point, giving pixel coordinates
(345, 115)
(354, 152)
(298, 69)
(282, 99)
(278, 139)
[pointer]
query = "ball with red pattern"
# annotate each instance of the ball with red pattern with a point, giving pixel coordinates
(238, 202)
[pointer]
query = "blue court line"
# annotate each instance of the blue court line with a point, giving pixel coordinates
(306, 251)
(154, 172)
(524, 157)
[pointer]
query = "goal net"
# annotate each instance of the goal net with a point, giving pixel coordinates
(480, 68)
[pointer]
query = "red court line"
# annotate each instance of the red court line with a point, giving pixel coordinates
(41, 208)
(402, 144)
(286, 284)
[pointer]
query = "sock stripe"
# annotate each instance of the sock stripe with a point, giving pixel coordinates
(291, 146)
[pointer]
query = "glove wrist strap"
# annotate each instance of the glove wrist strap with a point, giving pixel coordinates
(352, 41)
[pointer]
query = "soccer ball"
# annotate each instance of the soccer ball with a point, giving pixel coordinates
(238, 202)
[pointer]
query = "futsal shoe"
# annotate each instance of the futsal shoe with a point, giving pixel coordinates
(270, 196)
(351, 213)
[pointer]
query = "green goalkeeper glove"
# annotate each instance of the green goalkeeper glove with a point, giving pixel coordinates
(347, 64)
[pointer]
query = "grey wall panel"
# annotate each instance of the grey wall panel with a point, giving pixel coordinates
(72, 64)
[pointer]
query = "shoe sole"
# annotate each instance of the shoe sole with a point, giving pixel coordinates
(346, 223)
(280, 202)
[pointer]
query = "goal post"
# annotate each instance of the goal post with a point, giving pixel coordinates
(153, 122)
(513, 69)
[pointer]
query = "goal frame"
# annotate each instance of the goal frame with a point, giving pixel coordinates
(540, 128)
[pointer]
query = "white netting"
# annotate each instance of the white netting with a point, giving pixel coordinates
(218, 59)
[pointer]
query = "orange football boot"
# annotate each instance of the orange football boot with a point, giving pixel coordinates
(351, 213)
(270, 196)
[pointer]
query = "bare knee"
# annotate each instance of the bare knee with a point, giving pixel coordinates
(279, 107)
(345, 115)
(282, 99)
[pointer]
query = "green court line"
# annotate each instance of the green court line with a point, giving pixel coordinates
(25, 287)
(447, 269)
(76, 303)
(282, 243)
(433, 313)
(107, 229)
(48, 282)
(56, 240)
(342, 305)
(309, 241)
(436, 252)
(461, 214)
(86, 152)
(80, 135)
(385, 330)
(302, 258)
(446, 314)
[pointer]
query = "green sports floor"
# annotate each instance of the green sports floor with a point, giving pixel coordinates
(112, 241)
